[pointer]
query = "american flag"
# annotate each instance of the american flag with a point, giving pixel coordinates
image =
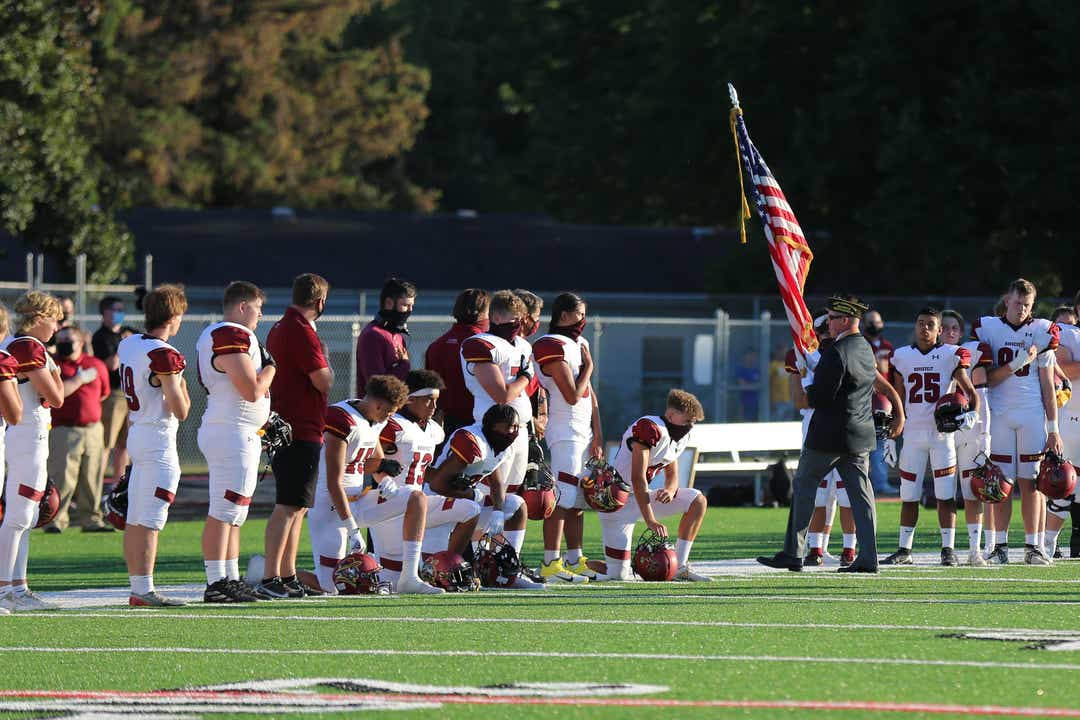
(788, 249)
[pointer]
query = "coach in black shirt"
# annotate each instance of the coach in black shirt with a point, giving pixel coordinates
(841, 435)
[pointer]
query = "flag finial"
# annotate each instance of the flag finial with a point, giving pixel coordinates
(733, 95)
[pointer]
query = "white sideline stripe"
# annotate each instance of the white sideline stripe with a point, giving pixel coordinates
(1067, 633)
(541, 654)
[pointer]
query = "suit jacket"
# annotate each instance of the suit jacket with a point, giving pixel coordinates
(843, 419)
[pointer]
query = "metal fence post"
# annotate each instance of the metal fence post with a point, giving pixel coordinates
(363, 303)
(594, 346)
(39, 274)
(80, 280)
(352, 360)
(29, 271)
(719, 366)
(764, 358)
(148, 273)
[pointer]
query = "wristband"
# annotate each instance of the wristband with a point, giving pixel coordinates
(351, 524)
(1051, 427)
(1020, 362)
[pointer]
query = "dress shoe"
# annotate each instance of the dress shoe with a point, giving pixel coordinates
(780, 561)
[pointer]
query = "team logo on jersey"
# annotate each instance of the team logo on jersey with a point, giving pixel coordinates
(1035, 639)
(303, 695)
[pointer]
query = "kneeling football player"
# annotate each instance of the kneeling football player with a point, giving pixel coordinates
(343, 505)
(650, 445)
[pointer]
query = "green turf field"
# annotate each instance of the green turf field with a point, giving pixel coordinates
(800, 645)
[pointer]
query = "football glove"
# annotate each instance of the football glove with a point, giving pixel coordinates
(460, 482)
(967, 420)
(267, 358)
(495, 524)
(890, 452)
(356, 540)
(523, 368)
(390, 467)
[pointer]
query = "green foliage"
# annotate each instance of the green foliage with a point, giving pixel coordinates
(54, 192)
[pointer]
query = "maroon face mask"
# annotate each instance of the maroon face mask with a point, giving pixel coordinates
(571, 331)
(507, 331)
(529, 326)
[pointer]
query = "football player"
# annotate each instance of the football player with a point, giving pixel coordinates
(652, 444)
(1023, 410)
(922, 373)
(471, 467)
(974, 441)
(157, 397)
(39, 387)
(1068, 363)
(236, 372)
(343, 504)
(573, 433)
(410, 438)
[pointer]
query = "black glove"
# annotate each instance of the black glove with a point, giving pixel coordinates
(523, 368)
(390, 467)
(461, 482)
(267, 358)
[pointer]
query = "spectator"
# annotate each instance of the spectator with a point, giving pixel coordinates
(748, 377)
(883, 350)
(114, 410)
(298, 393)
(381, 348)
(444, 357)
(67, 306)
(76, 445)
(780, 401)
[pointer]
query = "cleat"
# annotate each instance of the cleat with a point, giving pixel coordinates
(524, 583)
(975, 559)
(1032, 556)
(581, 568)
(1045, 555)
(687, 573)
(312, 591)
(999, 555)
(814, 557)
(603, 577)
(948, 557)
(271, 589)
(245, 592)
(220, 591)
(847, 557)
(7, 604)
(256, 565)
(1058, 555)
(31, 601)
(416, 586)
(556, 571)
(152, 599)
(293, 588)
(902, 556)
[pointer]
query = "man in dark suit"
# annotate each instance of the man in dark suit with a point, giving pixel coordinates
(839, 384)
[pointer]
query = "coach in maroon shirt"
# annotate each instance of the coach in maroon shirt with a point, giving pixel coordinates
(77, 438)
(298, 393)
(444, 357)
(381, 348)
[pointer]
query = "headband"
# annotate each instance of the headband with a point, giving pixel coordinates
(422, 392)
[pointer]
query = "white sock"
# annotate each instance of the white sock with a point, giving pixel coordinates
(617, 568)
(19, 569)
(1040, 539)
(572, 555)
(517, 539)
(849, 541)
(682, 550)
(974, 533)
(907, 537)
(814, 540)
(1001, 537)
(215, 570)
(990, 535)
(410, 558)
(948, 537)
(1051, 541)
(551, 556)
(232, 568)
(141, 584)
(1031, 538)
(825, 540)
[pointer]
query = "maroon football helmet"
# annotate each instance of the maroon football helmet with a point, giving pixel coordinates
(654, 558)
(948, 409)
(449, 571)
(1057, 476)
(988, 482)
(50, 504)
(358, 574)
(538, 490)
(604, 488)
(883, 415)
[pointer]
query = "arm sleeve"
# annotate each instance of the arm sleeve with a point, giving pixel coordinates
(477, 350)
(228, 340)
(166, 361)
(827, 379)
(338, 423)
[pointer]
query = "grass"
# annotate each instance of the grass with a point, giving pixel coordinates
(755, 639)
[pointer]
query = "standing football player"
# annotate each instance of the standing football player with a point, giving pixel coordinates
(1068, 362)
(236, 372)
(573, 433)
(1023, 410)
(157, 397)
(652, 444)
(922, 373)
(974, 441)
(40, 387)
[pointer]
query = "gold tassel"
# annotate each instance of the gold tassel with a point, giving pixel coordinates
(744, 211)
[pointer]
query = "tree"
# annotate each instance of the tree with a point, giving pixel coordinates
(54, 192)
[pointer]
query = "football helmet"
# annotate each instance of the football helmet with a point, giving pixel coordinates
(538, 487)
(50, 504)
(276, 433)
(654, 558)
(497, 563)
(1057, 476)
(1063, 393)
(948, 409)
(449, 571)
(358, 574)
(604, 488)
(883, 417)
(115, 502)
(988, 481)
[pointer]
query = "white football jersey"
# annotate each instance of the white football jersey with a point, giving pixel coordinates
(9, 368)
(142, 357)
(926, 377)
(29, 354)
(485, 348)
(1022, 390)
(223, 401)
(361, 439)
(470, 445)
(1070, 339)
(412, 445)
(652, 432)
(565, 421)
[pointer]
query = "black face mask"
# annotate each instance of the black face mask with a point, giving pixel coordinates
(677, 432)
(507, 331)
(571, 331)
(874, 330)
(395, 318)
(499, 441)
(529, 326)
(65, 349)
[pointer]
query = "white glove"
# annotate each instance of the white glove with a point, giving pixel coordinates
(356, 540)
(968, 419)
(1021, 361)
(890, 452)
(812, 360)
(86, 375)
(495, 524)
(387, 487)
(808, 379)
